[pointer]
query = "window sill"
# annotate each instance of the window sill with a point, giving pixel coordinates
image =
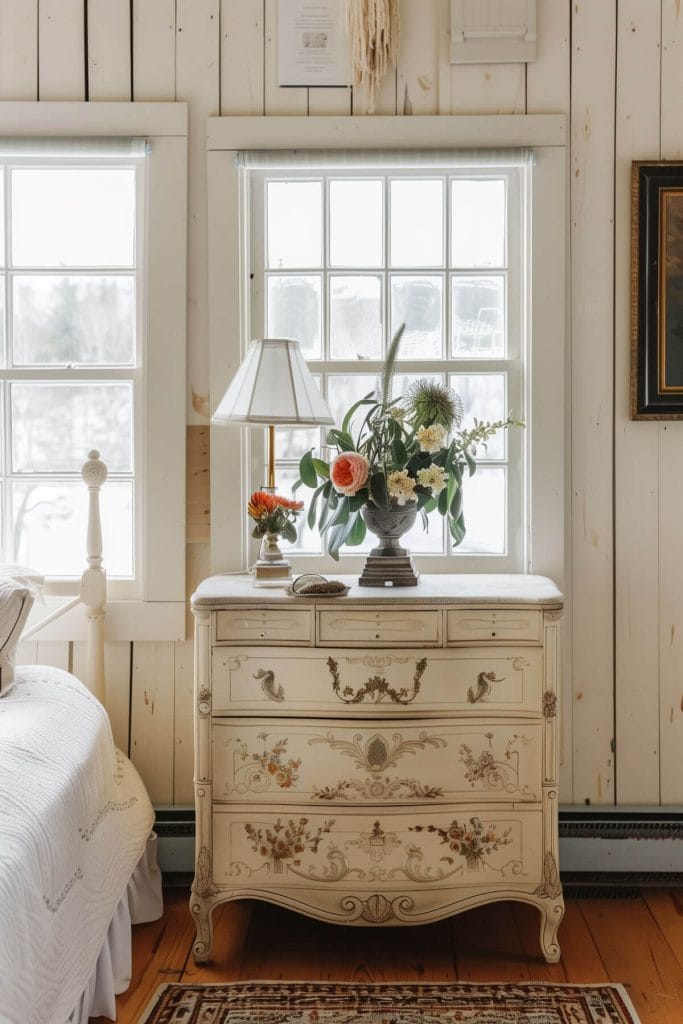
(124, 621)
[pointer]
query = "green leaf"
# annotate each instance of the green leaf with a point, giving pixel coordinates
(337, 538)
(366, 400)
(358, 531)
(425, 520)
(398, 450)
(310, 517)
(457, 528)
(357, 500)
(307, 469)
(442, 502)
(430, 505)
(341, 515)
(378, 490)
(289, 531)
(455, 508)
(341, 439)
(322, 469)
(471, 463)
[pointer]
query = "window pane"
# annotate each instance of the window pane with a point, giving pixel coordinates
(55, 425)
(50, 521)
(477, 223)
(76, 319)
(478, 316)
(356, 223)
(3, 285)
(483, 395)
(294, 311)
(484, 504)
(418, 303)
(291, 444)
(294, 224)
(73, 217)
(308, 541)
(2, 216)
(416, 223)
(355, 317)
(345, 389)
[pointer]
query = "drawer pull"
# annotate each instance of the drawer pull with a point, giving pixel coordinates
(484, 680)
(267, 677)
(376, 686)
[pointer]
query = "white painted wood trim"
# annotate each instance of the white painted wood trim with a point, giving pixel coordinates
(66, 119)
(126, 621)
(430, 131)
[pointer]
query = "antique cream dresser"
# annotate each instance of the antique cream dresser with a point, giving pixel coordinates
(383, 758)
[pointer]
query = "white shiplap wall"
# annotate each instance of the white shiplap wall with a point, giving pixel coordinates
(617, 69)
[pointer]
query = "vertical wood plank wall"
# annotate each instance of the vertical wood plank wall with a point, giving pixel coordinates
(616, 68)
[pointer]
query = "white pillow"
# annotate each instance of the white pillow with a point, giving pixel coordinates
(16, 600)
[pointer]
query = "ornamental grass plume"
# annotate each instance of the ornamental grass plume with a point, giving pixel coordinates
(407, 451)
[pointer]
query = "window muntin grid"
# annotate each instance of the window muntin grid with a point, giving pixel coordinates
(70, 356)
(468, 326)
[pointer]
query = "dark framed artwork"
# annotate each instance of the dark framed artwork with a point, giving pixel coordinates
(656, 290)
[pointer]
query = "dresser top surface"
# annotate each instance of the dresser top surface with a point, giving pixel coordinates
(455, 589)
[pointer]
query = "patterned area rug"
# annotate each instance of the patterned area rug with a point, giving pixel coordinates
(262, 1002)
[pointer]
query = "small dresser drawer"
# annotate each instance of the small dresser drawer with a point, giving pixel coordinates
(281, 626)
(494, 625)
(379, 627)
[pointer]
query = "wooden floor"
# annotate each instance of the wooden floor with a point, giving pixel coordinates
(638, 942)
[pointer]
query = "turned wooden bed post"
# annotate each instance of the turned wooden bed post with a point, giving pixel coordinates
(94, 579)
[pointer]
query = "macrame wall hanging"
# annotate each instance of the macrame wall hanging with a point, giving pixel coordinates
(373, 35)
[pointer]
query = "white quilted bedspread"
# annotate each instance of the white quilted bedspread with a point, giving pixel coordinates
(74, 820)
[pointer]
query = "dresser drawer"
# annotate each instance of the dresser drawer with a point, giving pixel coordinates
(282, 625)
(405, 683)
(494, 625)
(377, 628)
(398, 849)
(324, 763)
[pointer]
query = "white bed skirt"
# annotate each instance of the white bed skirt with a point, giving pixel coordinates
(141, 901)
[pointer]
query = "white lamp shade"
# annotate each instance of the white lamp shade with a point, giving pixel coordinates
(273, 385)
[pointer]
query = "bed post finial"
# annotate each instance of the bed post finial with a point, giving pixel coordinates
(94, 579)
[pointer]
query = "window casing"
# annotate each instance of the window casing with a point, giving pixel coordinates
(235, 454)
(344, 281)
(146, 595)
(73, 282)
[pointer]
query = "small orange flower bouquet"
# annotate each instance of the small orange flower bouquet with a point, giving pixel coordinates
(273, 514)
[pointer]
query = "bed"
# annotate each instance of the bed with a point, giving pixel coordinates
(77, 855)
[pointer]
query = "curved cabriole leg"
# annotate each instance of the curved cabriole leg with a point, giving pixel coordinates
(201, 911)
(551, 915)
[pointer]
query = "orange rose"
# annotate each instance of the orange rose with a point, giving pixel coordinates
(349, 472)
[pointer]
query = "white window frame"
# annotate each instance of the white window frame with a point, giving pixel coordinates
(229, 299)
(154, 609)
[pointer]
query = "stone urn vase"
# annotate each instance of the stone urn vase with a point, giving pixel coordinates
(389, 564)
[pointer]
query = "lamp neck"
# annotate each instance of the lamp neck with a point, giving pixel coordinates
(271, 457)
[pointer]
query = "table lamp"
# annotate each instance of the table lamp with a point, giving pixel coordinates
(273, 387)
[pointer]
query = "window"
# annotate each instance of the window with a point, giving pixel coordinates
(334, 231)
(92, 348)
(341, 257)
(73, 357)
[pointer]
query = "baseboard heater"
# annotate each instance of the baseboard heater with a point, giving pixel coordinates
(616, 849)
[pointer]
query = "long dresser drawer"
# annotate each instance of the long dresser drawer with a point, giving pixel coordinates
(374, 628)
(257, 760)
(385, 683)
(264, 847)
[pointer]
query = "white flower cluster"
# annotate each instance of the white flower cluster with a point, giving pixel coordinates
(433, 477)
(431, 438)
(401, 486)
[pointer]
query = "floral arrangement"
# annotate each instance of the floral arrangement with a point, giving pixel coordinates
(472, 840)
(408, 451)
(273, 514)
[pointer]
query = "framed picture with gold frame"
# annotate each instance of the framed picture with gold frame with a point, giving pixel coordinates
(656, 290)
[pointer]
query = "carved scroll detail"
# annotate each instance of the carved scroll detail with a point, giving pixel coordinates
(376, 686)
(549, 704)
(484, 680)
(267, 677)
(551, 887)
